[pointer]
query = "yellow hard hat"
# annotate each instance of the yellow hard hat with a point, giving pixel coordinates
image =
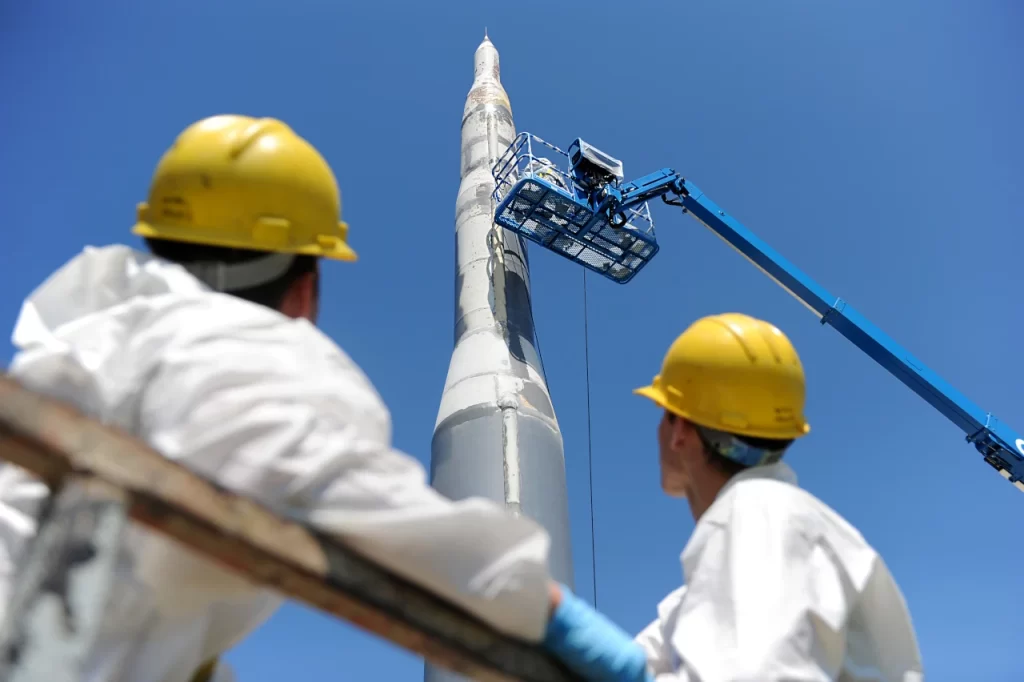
(733, 373)
(248, 183)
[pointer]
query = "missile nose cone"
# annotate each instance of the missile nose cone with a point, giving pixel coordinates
(485, 65)
(486, 88)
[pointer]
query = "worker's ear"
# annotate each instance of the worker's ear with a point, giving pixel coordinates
(681, 433)
(302, 300)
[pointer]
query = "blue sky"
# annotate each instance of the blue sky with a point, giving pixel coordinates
(875, 144)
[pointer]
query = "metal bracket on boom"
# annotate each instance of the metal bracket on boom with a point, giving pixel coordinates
(587, 214)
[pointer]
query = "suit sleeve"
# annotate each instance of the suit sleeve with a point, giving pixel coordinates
(283, 416)
(655, 638)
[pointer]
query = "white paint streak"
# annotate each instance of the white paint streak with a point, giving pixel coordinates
(510, 448)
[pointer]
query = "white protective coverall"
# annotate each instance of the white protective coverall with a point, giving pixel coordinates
(779, 587)
(266, 406)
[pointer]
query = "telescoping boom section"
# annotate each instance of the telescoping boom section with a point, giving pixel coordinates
(577, 204)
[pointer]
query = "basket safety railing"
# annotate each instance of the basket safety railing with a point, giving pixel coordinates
(538, 197)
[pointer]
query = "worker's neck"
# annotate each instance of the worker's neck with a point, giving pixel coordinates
(707, 483)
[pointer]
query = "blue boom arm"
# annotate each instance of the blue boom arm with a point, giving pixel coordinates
(581, 206)
(999, 444)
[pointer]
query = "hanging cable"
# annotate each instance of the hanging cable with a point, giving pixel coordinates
(590, 449)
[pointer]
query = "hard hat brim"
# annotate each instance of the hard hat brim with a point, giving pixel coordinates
(342, 252)
(338, 250)
(651, 393)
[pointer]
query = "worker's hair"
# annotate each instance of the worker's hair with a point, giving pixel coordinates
(269, 294)
(731, 467)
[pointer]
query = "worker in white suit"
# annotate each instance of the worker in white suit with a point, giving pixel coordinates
(206, 348)
(777, 585)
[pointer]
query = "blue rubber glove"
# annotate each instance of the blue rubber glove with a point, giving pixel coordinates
(592, 646)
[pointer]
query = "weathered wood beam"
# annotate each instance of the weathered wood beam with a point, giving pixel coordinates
(55, 441)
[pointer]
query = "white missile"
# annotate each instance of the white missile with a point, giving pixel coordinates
(496, 434)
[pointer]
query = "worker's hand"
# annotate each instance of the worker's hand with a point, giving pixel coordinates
(589, 644)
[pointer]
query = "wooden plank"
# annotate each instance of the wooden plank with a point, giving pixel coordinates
(53, 440)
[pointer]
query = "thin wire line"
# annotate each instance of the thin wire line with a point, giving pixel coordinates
(590, 450)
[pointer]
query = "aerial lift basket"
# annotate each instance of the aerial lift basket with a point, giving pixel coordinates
(556, 201)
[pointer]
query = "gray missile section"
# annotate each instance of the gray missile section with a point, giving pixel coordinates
(496, 434)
